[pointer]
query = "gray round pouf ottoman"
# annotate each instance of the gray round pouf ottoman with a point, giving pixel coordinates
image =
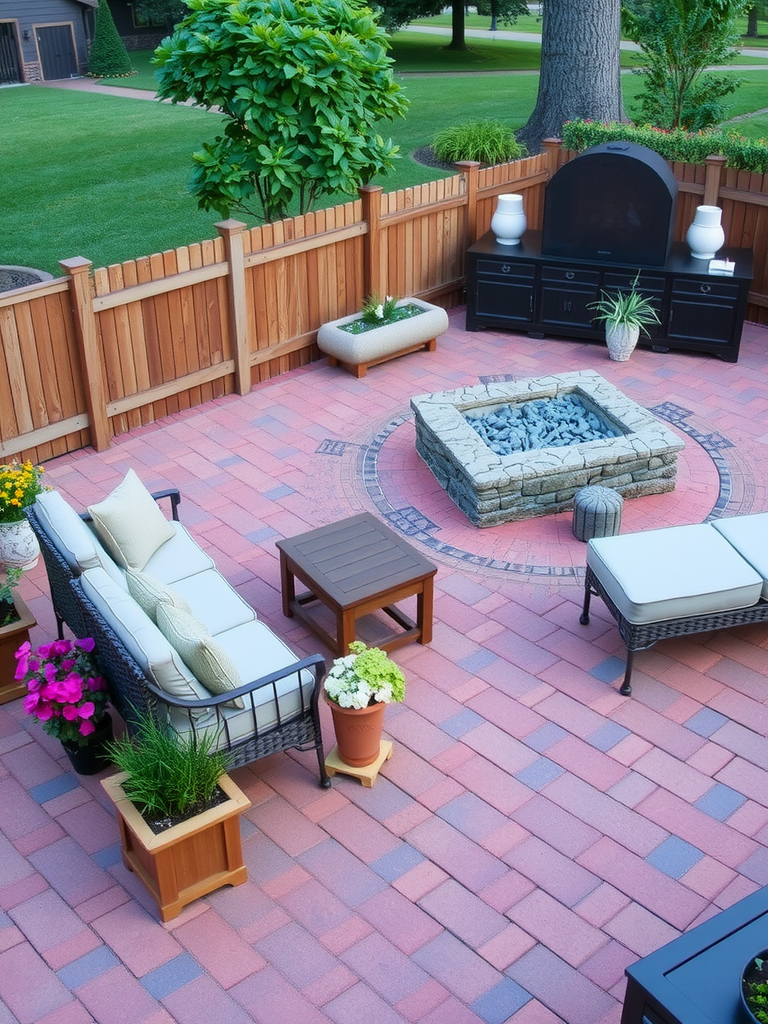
(596, 512)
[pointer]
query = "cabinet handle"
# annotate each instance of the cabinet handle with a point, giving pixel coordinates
(506, 268)
(706, 288)
(569, 275)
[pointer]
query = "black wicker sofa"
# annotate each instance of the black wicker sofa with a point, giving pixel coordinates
(680, 580)
(172, 637)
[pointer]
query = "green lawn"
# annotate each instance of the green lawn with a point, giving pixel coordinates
(113, 184)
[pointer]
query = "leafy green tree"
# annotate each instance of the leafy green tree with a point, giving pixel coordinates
(680, 39)
(169, 11)
(302, 85)
(505, 12)
(108, 57)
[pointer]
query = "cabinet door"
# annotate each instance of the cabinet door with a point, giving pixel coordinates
(703, 310)
(504, 291)
(566, 294)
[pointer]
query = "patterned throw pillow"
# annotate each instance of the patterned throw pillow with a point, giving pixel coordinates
(130, 524)
(148, 592)
(212, 666)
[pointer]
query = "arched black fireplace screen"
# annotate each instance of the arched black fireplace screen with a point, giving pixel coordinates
(614, 203)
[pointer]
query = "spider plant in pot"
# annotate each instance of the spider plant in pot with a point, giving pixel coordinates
(178, 813)
(625, 314)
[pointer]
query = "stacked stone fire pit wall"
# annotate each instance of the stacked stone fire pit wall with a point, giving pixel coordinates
(492, 489)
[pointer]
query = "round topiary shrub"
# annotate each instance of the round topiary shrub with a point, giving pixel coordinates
(488, 142)
(108, 57)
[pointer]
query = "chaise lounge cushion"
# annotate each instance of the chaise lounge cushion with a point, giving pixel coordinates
(673, 573)
(749, 535)
(130, 524)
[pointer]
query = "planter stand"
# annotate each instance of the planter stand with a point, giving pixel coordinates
(356, 352)
(11, 639)
(367, 775)
(188, 860)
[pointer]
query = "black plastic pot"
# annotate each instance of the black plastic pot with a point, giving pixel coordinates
(753, 973)
(91, 758)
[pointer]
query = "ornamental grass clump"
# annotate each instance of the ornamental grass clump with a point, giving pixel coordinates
(169, 776)
(378, 313)
(20, 484)
(66, 693)
(364, 677)
(488, 142)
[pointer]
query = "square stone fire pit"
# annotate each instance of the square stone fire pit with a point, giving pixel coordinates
(492, 489)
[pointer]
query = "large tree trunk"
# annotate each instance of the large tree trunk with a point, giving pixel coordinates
(752, 22)
(579, 67)
(457, 28)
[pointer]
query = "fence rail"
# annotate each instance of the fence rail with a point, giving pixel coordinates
(97, 352)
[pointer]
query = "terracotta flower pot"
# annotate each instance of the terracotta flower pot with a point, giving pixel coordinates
(358, 732)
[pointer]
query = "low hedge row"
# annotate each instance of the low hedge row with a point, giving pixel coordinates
(674, 143)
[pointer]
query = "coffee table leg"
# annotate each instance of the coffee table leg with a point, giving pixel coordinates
(424, 611)
(345, 630)
(287, 586)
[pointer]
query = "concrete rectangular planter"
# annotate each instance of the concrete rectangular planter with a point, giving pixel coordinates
(356, 352)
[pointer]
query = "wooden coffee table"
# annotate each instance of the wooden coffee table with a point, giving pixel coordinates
(355, 567)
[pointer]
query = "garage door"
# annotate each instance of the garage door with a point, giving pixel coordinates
(56, 46)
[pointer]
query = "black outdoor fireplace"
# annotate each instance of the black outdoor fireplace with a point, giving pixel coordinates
(614, 203)
(608, 222)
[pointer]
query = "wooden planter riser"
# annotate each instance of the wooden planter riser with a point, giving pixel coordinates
(189, 860)
(11, 638)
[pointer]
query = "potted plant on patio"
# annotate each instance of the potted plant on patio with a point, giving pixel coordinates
(754, 988)
(625, 314)
(382, 330)
(20, 484)
(16, 620)
(66, 694)
(178, 813)
(357, 690)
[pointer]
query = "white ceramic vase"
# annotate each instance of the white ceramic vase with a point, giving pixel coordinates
(508, 222)
(18, 545)
(705, 235)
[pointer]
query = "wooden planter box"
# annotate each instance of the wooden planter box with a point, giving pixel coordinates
(357, 352)
(11, 639)
(186, 861)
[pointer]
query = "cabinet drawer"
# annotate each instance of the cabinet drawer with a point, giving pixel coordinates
(506, 268)
(647, 283)
(713, 288)
(570, 275)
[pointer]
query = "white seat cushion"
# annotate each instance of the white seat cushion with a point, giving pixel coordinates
(749, 535)
(72, 536)
(178, 558)
(673, 573)
(130, 523)
(214, 601)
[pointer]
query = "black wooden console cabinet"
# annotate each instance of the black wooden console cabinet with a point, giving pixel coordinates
(695, 979)
(518, 288)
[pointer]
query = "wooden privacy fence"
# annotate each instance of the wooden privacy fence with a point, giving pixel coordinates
(95, 353)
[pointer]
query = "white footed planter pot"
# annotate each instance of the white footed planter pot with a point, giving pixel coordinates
(705, 235)
(357, 352)
(509, 222)
(621, 341)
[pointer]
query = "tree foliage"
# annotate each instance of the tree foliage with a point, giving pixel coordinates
(170, 11)
(108, 57)
(680, 39)
(302, 85)
(504, 12)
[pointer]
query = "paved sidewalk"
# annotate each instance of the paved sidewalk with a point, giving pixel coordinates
(534, 831)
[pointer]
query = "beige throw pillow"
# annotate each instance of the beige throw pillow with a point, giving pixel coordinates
(130, 524)
(211, 664)
(148, 592)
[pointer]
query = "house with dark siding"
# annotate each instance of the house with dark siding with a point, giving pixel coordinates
(45, 40)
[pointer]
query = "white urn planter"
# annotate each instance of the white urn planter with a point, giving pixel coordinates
(356, 352)
(621, 341)
(18, 545)
(705, 235)
(509, 222)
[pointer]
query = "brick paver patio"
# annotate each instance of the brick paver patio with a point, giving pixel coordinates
(534, 832)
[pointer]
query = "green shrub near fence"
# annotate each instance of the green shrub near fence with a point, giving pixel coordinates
(673, 144)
